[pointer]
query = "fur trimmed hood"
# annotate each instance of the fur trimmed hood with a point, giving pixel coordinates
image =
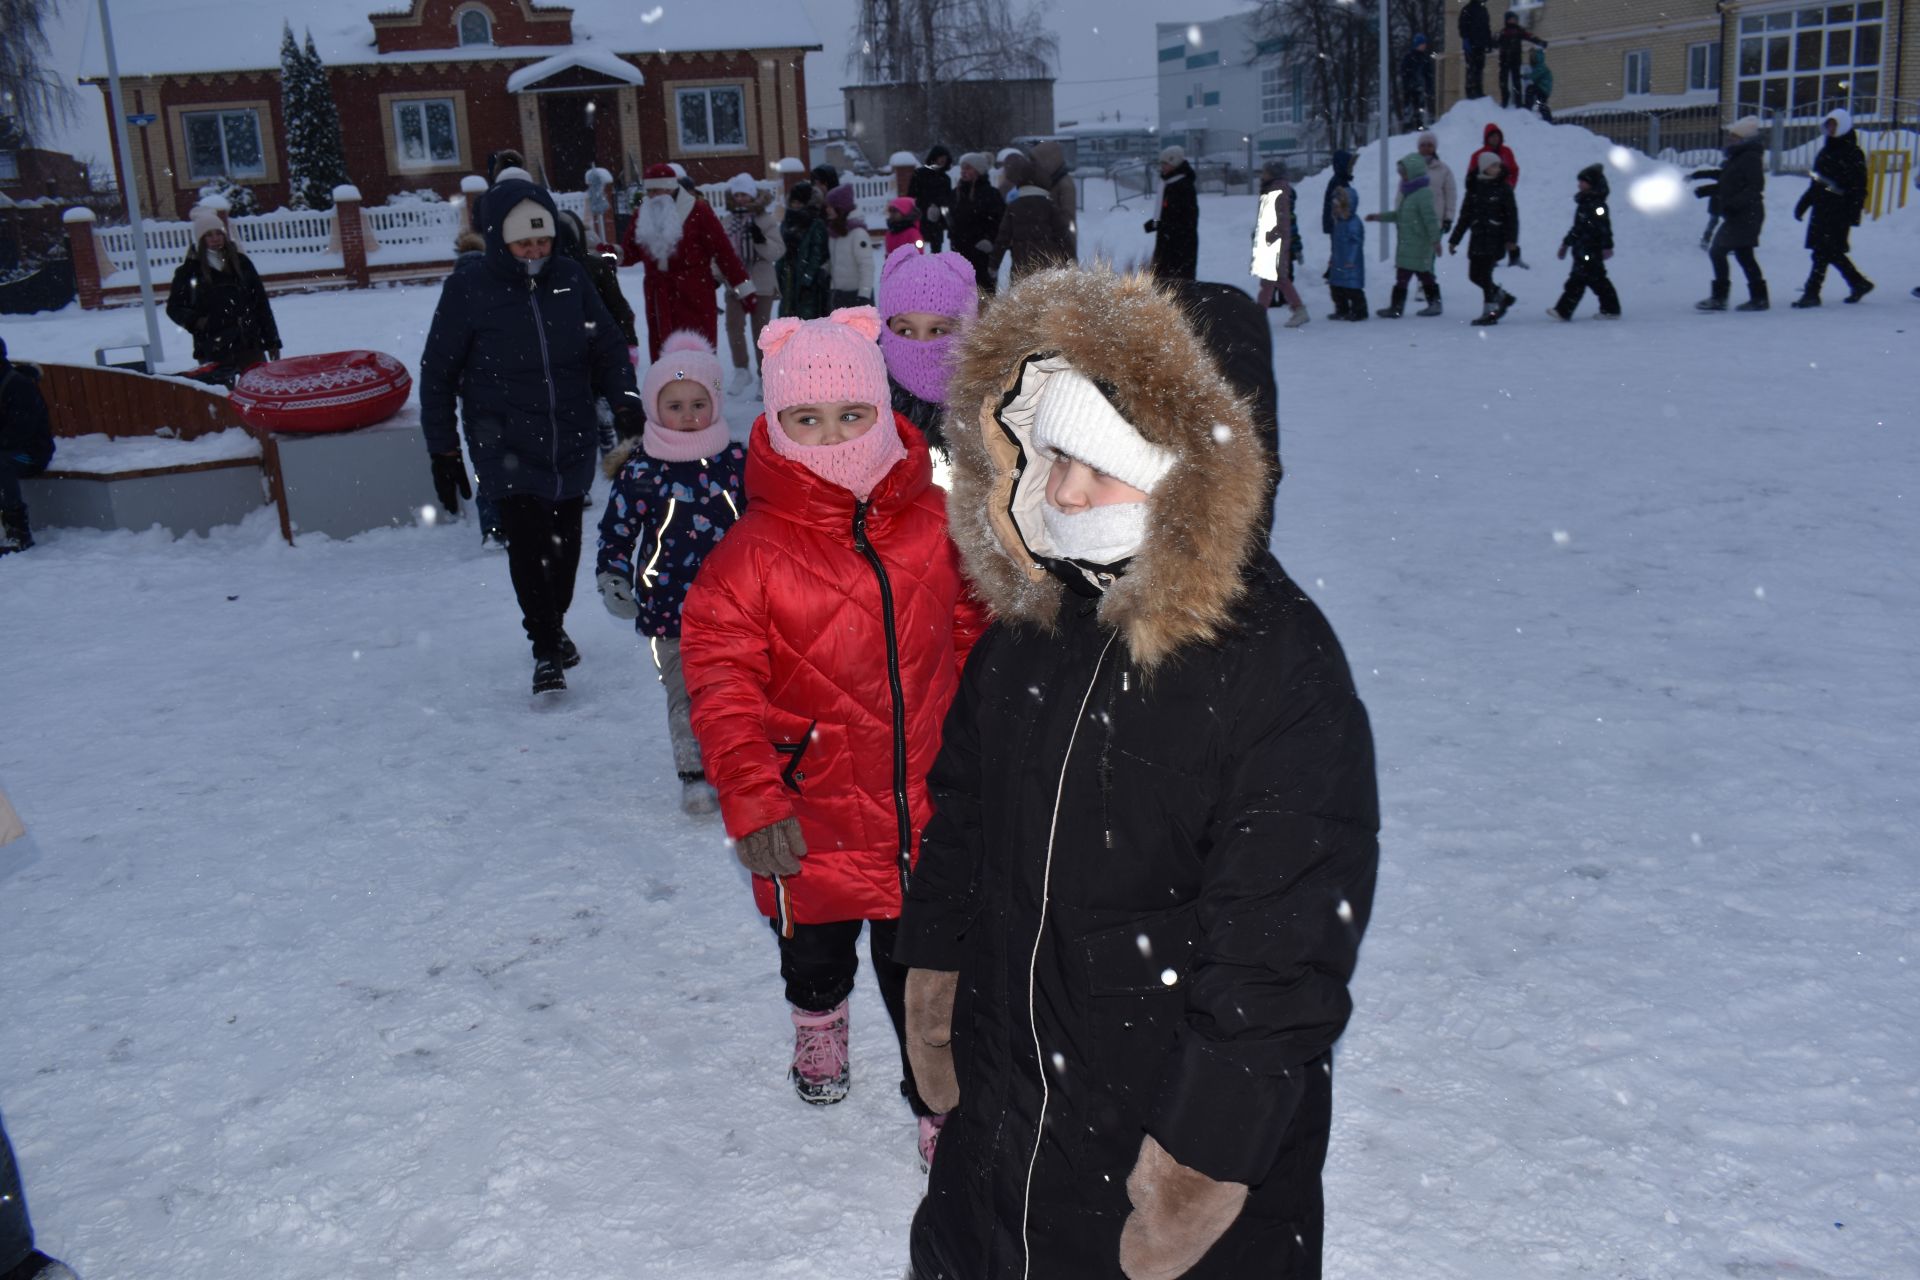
(1135, 342)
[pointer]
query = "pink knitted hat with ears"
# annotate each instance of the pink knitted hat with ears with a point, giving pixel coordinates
(836, 360)
(941, 284)
(684, 355)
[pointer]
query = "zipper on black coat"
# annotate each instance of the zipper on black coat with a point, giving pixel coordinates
(902, 813)
(546, 369)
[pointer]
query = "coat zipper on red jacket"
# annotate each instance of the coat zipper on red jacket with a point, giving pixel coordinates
(902, 812)
(546, 369)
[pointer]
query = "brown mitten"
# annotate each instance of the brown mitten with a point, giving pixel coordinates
(773, 850)
(1177, 1215)
(930, 1036)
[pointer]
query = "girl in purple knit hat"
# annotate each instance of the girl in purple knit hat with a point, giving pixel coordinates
(926, 299)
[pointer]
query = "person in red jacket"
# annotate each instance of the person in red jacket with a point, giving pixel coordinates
(1496, 145)
(822, 642)
(683, 244)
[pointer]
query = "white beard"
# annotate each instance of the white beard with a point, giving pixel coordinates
(658, 227)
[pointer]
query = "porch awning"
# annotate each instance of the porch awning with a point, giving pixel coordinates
(596, 62)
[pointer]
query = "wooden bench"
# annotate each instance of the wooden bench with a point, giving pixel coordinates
(118, 432)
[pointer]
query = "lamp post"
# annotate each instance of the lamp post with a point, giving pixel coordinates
(1385, 171)
(130, 188)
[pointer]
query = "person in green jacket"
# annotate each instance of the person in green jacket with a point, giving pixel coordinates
(1419, 225)
(1540, 85)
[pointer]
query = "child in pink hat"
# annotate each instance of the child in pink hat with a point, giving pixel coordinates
(823, 641)
(677, 488)
(925, 301)
(903, 225)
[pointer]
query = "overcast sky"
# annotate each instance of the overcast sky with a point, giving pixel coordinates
(1107, 58)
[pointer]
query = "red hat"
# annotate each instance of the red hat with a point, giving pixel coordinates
(659, 177)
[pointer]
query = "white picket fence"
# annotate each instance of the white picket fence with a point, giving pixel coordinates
(289, 240)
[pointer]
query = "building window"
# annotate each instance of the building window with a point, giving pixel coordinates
(713, 119)
(424, 134)
(1279, 103)
(1638, 78)
(9, 167)
(1703, 66)
(224, 144)
(475, 28)
(1804, 62)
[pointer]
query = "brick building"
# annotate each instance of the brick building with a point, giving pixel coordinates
(427, 89)
(29, 173)
(1792, 57)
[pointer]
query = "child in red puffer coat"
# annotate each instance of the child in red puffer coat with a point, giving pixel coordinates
(822, 642)
(903, 225)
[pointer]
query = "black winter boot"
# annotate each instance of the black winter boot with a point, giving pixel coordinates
(15, 535)
(1861, 288)
(1756, 298)
(548, 677)
(1717, 301)
(1396, 308)
(1810, 297)
(1489, 314)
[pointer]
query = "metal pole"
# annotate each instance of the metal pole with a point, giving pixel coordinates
(131, 190)
(1385, 167)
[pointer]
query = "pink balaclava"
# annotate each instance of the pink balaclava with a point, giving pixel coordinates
(828, 361)
(941, 284)
(684, 356)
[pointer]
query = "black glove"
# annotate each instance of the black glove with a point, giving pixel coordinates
(1152, 226)
(450, 479)
(1446, 225)
(628, 421)
(755, 233)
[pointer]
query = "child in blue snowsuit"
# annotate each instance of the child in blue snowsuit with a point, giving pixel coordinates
(677, 488)
(1347, 273)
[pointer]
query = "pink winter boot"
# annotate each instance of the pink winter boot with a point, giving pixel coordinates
(821, 1070)
(930, 1127)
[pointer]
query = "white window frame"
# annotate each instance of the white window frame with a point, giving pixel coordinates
(706, 92)
(1279, 104)
(263, 173)
(460, 27)
(1636, 73)
(430, 161)
(1789, 26)
(1708, 56)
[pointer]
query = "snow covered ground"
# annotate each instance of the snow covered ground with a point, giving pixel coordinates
(339, 961)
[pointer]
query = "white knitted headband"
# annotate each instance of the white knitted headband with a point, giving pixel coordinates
(1071, 416)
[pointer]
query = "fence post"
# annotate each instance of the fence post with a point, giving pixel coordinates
(86, 256)
(1779, 143)
(903, 163)
(1653, 134)
(791, 172)
(353, 235)
(472, 187)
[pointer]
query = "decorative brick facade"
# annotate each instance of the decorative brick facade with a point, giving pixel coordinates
(575, 117)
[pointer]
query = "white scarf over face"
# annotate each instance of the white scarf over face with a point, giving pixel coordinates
(658, 225)
(1098, 535)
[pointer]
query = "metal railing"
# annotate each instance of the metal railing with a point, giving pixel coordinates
(1696, 134)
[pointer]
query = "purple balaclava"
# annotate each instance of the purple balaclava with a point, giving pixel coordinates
(938, 283)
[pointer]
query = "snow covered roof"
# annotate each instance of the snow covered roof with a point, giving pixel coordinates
(589, 59)
(161, 37)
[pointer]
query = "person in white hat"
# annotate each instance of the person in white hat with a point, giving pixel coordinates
(1739, 197)
(1152, 856)
(753, 229)
(217, 296)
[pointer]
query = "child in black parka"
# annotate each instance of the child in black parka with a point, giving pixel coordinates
(1489, 213)
(1591, 242)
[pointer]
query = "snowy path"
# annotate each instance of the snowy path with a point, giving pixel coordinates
(339, 961)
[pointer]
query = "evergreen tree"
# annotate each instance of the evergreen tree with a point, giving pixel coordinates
(327, 163)
(315, 163)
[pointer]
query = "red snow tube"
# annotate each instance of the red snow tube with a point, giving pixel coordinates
(337, 391)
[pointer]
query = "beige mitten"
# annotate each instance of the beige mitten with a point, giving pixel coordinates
(1178, 1214)
(930, 1036)
(773, 850)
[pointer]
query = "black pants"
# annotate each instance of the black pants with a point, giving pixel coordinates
(1585, 276)
(1476, 79)
(543, 555)
(818, 964)
(16, 1230)
(983, 275)
(12, 473)
(1749, 265)
(1538, 101)
(1480, 271)
(1513, 84)
(1815, 278)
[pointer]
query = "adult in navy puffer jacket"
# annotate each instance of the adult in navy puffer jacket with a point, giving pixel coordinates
(521, 344)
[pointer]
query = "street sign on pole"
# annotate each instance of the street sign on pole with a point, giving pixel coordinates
(142, 118)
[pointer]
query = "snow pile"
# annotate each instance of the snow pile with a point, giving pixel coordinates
(99, 454)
